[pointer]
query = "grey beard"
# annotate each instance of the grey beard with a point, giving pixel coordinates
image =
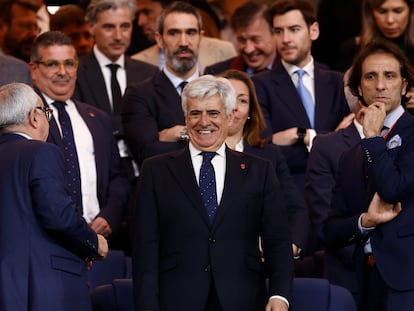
(184, 65)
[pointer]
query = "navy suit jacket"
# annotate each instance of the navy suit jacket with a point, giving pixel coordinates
(43, 239)
(176, 252)
(296, 208)
(283, 109)
(376, 166)
(150, 107)
(113, 187)
(339, 263)
(90, 84)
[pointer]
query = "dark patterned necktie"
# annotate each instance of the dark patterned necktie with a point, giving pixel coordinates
(72, 173)
(306, 98)
(207, 184)
(115, 89)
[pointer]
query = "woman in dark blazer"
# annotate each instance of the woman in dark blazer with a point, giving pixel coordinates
(244, 135)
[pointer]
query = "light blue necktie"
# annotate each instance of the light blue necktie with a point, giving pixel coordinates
(306, 98)
(207, 184)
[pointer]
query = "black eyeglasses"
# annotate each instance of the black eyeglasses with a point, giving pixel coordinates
(48, 112)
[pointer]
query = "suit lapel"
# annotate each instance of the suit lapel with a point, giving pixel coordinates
(182, 169)
(289, 96)
(94, 76)
(236, 170)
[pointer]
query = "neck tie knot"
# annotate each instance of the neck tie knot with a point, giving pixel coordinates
(59, 105)
(208, 156)
(182, 85)
(113, 67)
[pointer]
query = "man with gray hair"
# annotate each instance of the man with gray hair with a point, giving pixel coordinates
(44, 241)
(199, 213)
(104, 74)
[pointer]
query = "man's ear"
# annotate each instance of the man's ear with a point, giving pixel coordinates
(34, 118)
(158, 39)
(314, 31)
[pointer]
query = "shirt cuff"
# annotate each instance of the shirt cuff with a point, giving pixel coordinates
(279, 297)
(364, 230)
(312, 134)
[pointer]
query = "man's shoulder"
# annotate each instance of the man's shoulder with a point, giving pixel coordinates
(135, 64)
(14, 62)
(219, 67)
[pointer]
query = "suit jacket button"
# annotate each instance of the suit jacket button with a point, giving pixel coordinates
(212, 240)
(207, 268)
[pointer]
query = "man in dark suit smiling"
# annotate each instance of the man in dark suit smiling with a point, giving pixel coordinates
(198, 218)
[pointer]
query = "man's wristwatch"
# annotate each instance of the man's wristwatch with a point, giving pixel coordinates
(184, 136)
(301, 135)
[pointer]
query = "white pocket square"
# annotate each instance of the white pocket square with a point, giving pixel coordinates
(394, 142)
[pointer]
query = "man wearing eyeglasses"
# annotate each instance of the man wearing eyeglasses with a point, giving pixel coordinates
(44, 242)
(94, 177)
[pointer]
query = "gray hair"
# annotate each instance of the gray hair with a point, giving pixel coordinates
(207, 86)
(96, 7)
(178, 7)
(16, 102)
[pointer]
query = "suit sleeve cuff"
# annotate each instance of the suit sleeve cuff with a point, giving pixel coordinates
(281, 298)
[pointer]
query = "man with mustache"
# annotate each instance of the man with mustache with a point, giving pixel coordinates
(110, 24)
(152, 116)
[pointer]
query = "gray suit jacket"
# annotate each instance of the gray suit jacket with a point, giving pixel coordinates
(13, 70)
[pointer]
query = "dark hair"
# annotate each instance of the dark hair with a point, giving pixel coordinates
(178, 7)
(380, 46)
(256, 124)
(307, 9)
(369, 29)
(48, 39)
(249, 12)
(6, 8)
(68, 14)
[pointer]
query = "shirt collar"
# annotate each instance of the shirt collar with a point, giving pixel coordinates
(291, 69)
(393, 116)
(177, 80)
(103, 60)
(194, 152)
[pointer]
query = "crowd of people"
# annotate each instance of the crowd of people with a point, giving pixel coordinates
(217, 144)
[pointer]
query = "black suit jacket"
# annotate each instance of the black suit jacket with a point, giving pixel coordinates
(177, 252)
(90, 84)
(283, 109)
(150, 107)
(112, 185)
(296, 208)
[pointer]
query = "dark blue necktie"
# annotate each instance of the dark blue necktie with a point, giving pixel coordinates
(207, 184)
(72, 174)
(306, 98)
(115, 88)
(182, 86)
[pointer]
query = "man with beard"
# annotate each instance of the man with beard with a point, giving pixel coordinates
(152, 116)
(212, 50)
(104, 74)
(18, 28)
